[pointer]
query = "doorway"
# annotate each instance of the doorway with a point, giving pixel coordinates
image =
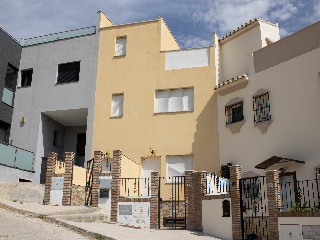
(81, 149)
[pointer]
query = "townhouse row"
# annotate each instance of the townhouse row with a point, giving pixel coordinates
(250, 99)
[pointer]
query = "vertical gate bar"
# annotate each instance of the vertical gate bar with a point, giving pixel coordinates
(178, 193)
(175, 202)
(159, 196)
(241, 209)
(139, 187)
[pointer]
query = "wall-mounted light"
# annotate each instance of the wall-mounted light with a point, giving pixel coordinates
(153, 152)
(24, 119)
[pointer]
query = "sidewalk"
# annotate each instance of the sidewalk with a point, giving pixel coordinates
(93, 229)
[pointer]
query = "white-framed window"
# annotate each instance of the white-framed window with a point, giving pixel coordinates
(121, 46)
(117, 105)
(177, 165)
(174, 100)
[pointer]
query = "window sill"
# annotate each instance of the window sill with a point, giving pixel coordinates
(263, 126)
(24, 87)
(172, 113)
(116, 117)
(120, 56)
(58, 84)
(235, 127)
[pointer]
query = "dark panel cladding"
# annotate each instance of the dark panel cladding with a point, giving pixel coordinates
(10, 52)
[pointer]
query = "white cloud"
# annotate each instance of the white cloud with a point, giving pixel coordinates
(192, 42)
(316, 9)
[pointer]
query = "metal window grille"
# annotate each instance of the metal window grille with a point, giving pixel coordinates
(234, 113)
(261, 108)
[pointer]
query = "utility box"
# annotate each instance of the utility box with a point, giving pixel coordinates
(57, 183)
(105, 182)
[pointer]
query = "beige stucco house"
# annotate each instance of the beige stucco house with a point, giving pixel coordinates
(150, 94)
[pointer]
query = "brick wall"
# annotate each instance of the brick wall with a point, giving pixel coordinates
(115, 190)
(154, 203)
(97, 166)
(67, 186)
(235, 175)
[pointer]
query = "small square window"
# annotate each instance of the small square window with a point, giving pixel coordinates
(177, 165)
(234, 113)
(117, 105)
(56, 138)
(121, 46)
(68, 72)
(26, 77)
(261, 108)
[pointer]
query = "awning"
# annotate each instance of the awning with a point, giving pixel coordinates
(273, 160)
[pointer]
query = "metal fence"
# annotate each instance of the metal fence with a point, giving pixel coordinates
(300, 195)
(135, 187)
(15, 157)
(217, 185)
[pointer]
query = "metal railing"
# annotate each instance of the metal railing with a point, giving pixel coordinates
(135, 187)
(16, 157)
(300, 195)
(217, 185)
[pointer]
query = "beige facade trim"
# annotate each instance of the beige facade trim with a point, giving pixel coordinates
(263, 126)
(243, 29)
(232, 85)
(129, 24)
(234, 101)
(161, 19)
(235, 127)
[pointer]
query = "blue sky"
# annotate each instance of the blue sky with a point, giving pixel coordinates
(191, 21)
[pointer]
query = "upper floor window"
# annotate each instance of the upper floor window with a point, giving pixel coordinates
(11, 77)
(234, 113)
(177, 165)
(26, 77)
(121, 46)
(261, 107)
(117, 105)
(68, 72)
(174, 100)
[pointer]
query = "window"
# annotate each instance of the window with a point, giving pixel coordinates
(121, 46)
(177, 165)
(68, 72)
(26, 77)
(56, 138)
(117, 105)
(11, 77)
(261, 108)
(234, 113)
(4, 132)
(174, 100)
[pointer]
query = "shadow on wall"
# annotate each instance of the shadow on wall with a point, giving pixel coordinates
(205, 146)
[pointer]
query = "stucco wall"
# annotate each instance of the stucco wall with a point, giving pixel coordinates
(294, 90)
(12, 175)
(213, 222)
(44, 95)
(137, 75)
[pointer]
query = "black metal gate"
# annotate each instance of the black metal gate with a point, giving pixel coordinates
(89, 181)
(172, 205)
(254, 208)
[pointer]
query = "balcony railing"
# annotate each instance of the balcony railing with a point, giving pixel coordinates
(8, 96)
(15, 157)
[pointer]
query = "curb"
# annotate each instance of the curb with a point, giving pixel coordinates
(83, 232)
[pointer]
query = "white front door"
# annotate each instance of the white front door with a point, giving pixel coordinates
(149, 164)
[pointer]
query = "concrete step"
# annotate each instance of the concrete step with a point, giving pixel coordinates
(81, 217)
(88, 210)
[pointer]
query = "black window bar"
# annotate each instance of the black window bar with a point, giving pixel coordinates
(234, 113)
(261, 108)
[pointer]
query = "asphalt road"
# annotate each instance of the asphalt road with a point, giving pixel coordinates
(16, 226)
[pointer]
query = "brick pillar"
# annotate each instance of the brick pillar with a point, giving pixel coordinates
(274, 202)
(67, 181)
(188, 196)
(154, 203)
(97, 166)
(235, 175)
(199, 190)
(51, 163)
(115, 190)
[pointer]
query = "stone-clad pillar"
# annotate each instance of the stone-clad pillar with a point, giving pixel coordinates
(67, 181)
(97, 167)
(51, 163)
(235, 175)
(115, 190)
(154, 203)
(199, 191)
(274, 202)
(188, 196)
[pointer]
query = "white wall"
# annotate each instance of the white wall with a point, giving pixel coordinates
(295, 225)
(213, 222)
(294, 89)
(187, 58)
(44, 95)
(8, 174)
